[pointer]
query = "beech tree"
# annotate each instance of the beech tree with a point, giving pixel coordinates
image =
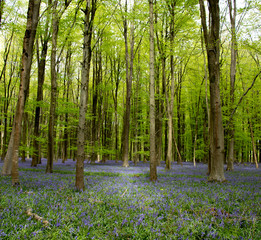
(26, 62)
(153, 160)
(41, 62)
(216, 131)
(231, 146)
(89, 14)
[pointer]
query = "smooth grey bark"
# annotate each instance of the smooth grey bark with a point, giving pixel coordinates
(153, 160)
(170, 103)
(51, 122)
(212, 42)
(129, 57)
(231, 130)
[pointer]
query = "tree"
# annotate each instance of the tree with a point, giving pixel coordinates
(153, 160)
(26, 62)
(171, 7)
(232, 14)
(9, 89)
(41, 62)
(212, 42)
(52, 116)
(90, 10)
(129, 57)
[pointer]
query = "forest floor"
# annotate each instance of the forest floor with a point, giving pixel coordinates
(121, 203)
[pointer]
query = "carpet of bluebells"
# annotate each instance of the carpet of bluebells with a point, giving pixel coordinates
(121, 203)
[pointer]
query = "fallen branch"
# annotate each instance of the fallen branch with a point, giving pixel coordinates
(36, 217)
(124, 192)
(95, 200)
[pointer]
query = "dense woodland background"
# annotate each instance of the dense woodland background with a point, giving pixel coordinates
(120, 68)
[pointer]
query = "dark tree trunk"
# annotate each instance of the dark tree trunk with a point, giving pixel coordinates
(24, 136)
(26, 62)
(36, 157)
(115, 65)
(212, 42)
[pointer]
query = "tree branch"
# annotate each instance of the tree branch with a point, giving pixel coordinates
(240, 100)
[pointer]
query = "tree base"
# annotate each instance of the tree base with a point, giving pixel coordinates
(15, 184)
(211, 180)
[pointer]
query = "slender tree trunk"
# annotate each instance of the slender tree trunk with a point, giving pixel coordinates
(158, 123)
(129, 74)
(97, 74)
(24, 136)
(207, 106)
(115, 63)
(231, 131)
(153, 160)
(87, 37)
(36, 157)
(196, 132)
(253, 143)
(170, 103)
(8, 92)
(51, 124)
(212, 41)
(67, 85)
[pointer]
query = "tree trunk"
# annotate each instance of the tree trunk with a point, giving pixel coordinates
(67, 85)
(8, 92)
(52, 114)
(158, 121)
(206, 138)
(24, 136)
(129, 75)
(36, 157)
(170, 103)
(153, 160)
(212, 42)
(26, 62)
(115, 65)
(253, 143)
(97, 75)
(231, 131)
(88, 26)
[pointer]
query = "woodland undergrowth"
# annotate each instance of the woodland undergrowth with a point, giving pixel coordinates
(121, 203)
